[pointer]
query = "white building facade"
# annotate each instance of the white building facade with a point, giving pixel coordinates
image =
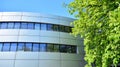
(38, 40)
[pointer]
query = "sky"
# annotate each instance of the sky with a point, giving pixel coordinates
(54, 7)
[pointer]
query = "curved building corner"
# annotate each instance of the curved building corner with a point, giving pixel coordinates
(38, 40)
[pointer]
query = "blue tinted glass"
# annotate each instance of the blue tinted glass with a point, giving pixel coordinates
(21, 47)
(0, 25)
(43, 26)
(49, 27)
(13, 47)
(6, 46)
(43, 47)
(1, 45)
(17, 25)
(36, 47)
(24, 26)
(3, 25)
(37, 26)
(28, 47)
(30, 26)
(10, 25)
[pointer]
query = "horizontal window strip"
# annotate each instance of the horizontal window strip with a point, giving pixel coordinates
(35, 26)
(36, 47)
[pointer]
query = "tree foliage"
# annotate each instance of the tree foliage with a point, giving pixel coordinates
(98, 22)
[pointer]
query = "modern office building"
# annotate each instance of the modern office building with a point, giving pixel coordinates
(38, 40)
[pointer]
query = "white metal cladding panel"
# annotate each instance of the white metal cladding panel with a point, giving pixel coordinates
(49, 34)
(7, 55)
(6, 63)
(49, 56)
(12, 32)
(29, 32)
(49, 63)
(70, 64)
(8, 38)
(66, 35)
(20, 55)
(68, 41)
(26, 63)
(65, 56)
(49, 20)
(30, 18)
(10, 18)
(28, 39)
(49, 39)
(35, 17)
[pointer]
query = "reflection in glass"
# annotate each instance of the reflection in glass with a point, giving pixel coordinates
(6, 47)
(1, 45)
(43, 26)
(30, 26)
(62, 29)
(36, 47)
(13, 47)
(73, 49)
(17, 25)
(28, 47)
(63, 48)
(3, 25)
(55, 27)
(56, 48)
(10, 25)
(49, 27)
(23, 25)
(37, 26)
(68, 49)
(21, 47)
(43, 47)
(50, 47)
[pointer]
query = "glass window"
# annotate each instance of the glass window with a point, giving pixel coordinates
(67, 29)
(68, 49)
(10, 25)
(24, 26)
(0, 25)
(4, 25)
(17, 25)
(21, 47)
(63, 48)
(43, 26)
(6, 47)
(13, 47)
(43, 47)
(30, 26)
(49, 27)
(62, 29)
(56, 48)
(73, 49)
(37, 26)
(28, 47)
(55, 27)
(1, 45)
(35, 47)
(50, 47)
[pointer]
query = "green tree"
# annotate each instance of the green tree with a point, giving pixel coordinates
(98, 22)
